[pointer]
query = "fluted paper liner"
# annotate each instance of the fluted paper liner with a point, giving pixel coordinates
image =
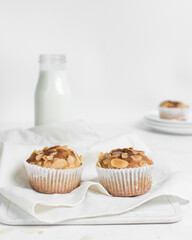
(173, 113)
(126, 182)
(48, 180)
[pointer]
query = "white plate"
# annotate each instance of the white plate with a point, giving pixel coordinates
(169, 129)
(159, 210)
(154, 117)
(169, 125)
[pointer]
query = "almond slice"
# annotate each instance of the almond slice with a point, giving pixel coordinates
(59, 164)
(45, 158)
(53, 153)
(100, 155)
(124, 155)
(149, 161)
(38, 157)
(107, 161)
(47, 164)
(104, 165)
(143, 163)
(78, 161)
(71, 160)
(64, 147)
(50, 158)
(34, 152)
(116, 154)
(51, 149)
(39, 152)
(136, 158)
(119, 163)
(138, 152)
(39, 163)
(110, 166)
(98, 164)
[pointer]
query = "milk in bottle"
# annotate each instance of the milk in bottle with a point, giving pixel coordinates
(52, 95)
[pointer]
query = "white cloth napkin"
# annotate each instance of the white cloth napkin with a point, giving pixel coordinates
(88, 200)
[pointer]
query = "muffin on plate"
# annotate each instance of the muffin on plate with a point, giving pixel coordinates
(173, 110)
(125, 172)
(56, 169)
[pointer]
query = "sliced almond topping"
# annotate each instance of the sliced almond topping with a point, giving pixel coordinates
(39, 163)
(78, 161)
(133, 164)
(51, 150)
(106, 155)
(65, 147)
(54, 147)
(116, 154)
(138, 152)
(34, 152)
(136, 158)
(143, 163)
(50, 158)
(59, 164)
(110, 166)
(47, 164)
(100, 155)
(58, 147)
(107, 161)
(45, 158)
(124, 155)
(119, 163)
(104, 165)
(71, 160)
(98, 164)
(56, 157)
(134, 152)
(150, 161)
(53, 153)
(38, 157)
(39, 152)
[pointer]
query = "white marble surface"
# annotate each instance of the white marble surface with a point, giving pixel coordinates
(157, 142)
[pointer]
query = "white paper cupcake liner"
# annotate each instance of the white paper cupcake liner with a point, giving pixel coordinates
(173, 113)
(126, 182)
(48, 180)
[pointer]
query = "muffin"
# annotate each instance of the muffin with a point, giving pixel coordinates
(125, 172)
(173, 110)
(56, 169)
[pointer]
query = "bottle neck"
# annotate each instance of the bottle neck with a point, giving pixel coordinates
(52, 62)
(52, 67)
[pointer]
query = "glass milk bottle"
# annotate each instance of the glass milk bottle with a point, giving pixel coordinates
(52, 95)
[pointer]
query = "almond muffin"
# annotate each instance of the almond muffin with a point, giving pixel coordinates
(125, 172)
(54, 169)
(173, 110)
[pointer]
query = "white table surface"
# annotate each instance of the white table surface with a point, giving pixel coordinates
(156, 141)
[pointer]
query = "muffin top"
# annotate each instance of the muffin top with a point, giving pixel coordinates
(57, 157)
(123, 158)
(173, 104)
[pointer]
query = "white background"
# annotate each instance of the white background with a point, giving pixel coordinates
(124, 57)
